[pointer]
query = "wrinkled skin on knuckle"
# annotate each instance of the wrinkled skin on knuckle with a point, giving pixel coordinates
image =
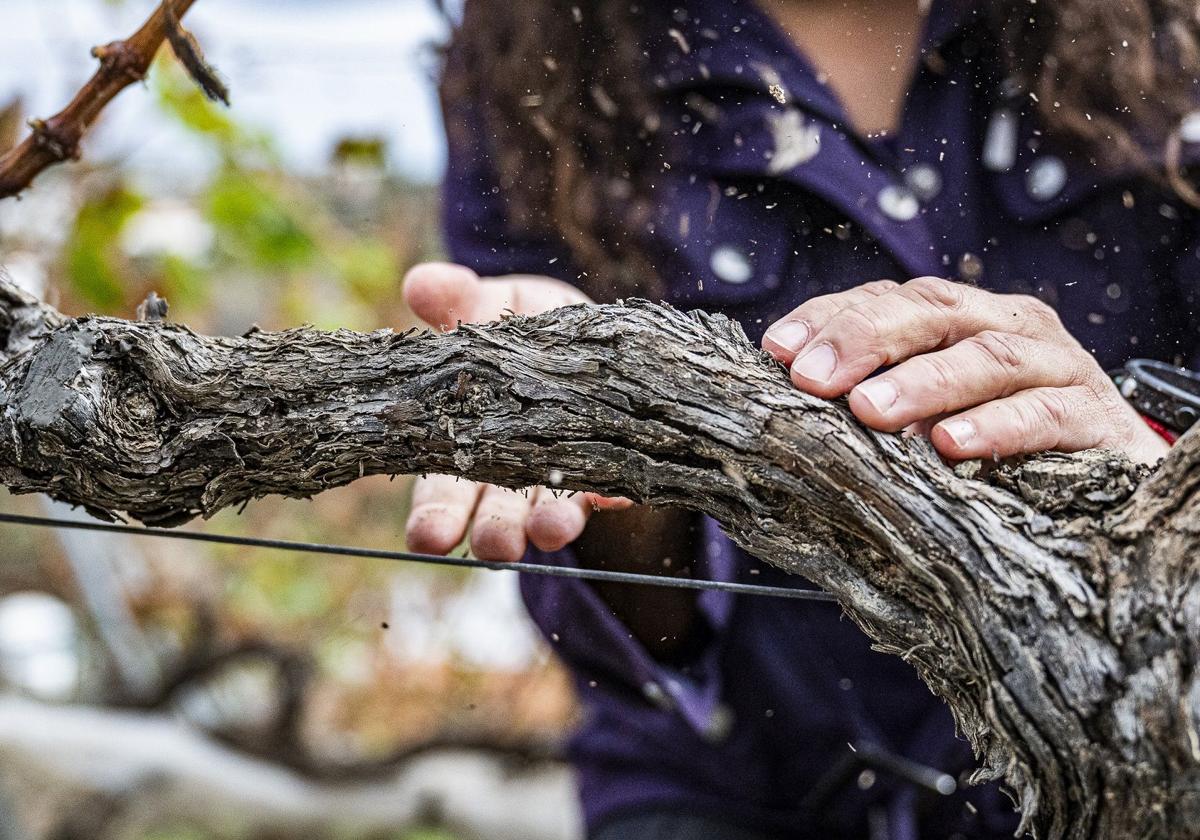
(1085, 370)
(856, 327)
(1042, 317)
(1054, 412)
(882, 287)
(1002, 355)
(1004, 351)
(1123, 426)
(937, 374)
(937, 293)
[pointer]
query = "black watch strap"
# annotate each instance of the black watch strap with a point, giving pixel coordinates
(1165, 393)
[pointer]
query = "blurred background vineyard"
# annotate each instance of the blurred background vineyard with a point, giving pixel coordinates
(176, 691)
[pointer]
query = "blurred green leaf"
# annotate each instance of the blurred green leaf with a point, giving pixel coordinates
(181, 98)
(256, 225)
(175, 832)
(185, 284)
(429, 834)
(363, 151)
(280, 587)
(92, 255)
(368, 267)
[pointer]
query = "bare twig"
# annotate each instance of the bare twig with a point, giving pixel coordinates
(122, 63)
(188, 51)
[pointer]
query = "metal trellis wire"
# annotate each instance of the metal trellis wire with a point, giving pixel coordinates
(430, 559)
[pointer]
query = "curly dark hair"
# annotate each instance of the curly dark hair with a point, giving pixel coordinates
(571, 116)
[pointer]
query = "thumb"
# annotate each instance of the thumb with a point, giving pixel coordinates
(442, 294)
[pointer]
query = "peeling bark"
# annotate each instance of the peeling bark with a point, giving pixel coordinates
(1054, 604)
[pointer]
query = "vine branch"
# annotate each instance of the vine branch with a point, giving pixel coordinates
(122, 63)
(1053, 604)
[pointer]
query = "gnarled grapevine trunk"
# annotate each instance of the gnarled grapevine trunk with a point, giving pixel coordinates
(1053, 604)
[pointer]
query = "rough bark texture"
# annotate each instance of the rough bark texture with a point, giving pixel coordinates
(1053, 604)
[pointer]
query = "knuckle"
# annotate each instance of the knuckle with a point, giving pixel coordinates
(1052, 409)
(1085, 371)
(936, 292)
(1117, 416)
(881, 287)
(1025, 418)
(863, 323)
(1003, 351)
(1043, 316)
(939, 374)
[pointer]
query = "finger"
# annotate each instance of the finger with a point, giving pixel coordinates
(983, 367)
(441, 294)
(558, 518)
(787, 336)
(608, 502)
(522, 294)
(1036, 420)
(922, 315)
(441, 509)
(498, 530)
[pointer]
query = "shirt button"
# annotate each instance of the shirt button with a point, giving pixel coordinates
(1189, 129)
(730, 264)
(924, 180)
(1046, 178)
(898, 203)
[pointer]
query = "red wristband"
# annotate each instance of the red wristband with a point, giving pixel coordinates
(1163, 432)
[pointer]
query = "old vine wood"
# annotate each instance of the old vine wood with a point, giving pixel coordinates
(1054, 603)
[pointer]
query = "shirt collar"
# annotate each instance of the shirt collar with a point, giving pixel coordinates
(713, 44)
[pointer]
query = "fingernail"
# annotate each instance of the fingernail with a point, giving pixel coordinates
(960, 431)
(818, 364)
(789, 335)
(880, 393)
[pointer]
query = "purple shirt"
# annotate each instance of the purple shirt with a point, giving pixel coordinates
(765, 204)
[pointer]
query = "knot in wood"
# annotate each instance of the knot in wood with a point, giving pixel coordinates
(120, 59)
(131, 416)
(55, 140)
(466, 397)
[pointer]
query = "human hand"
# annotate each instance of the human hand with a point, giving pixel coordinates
(501, 521)
(987, 375)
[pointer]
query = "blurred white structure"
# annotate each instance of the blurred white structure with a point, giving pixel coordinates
(52, 755)
(38, 645)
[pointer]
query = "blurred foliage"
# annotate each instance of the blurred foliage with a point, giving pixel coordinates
(94, 267)
(255, 243)
(327, 251)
